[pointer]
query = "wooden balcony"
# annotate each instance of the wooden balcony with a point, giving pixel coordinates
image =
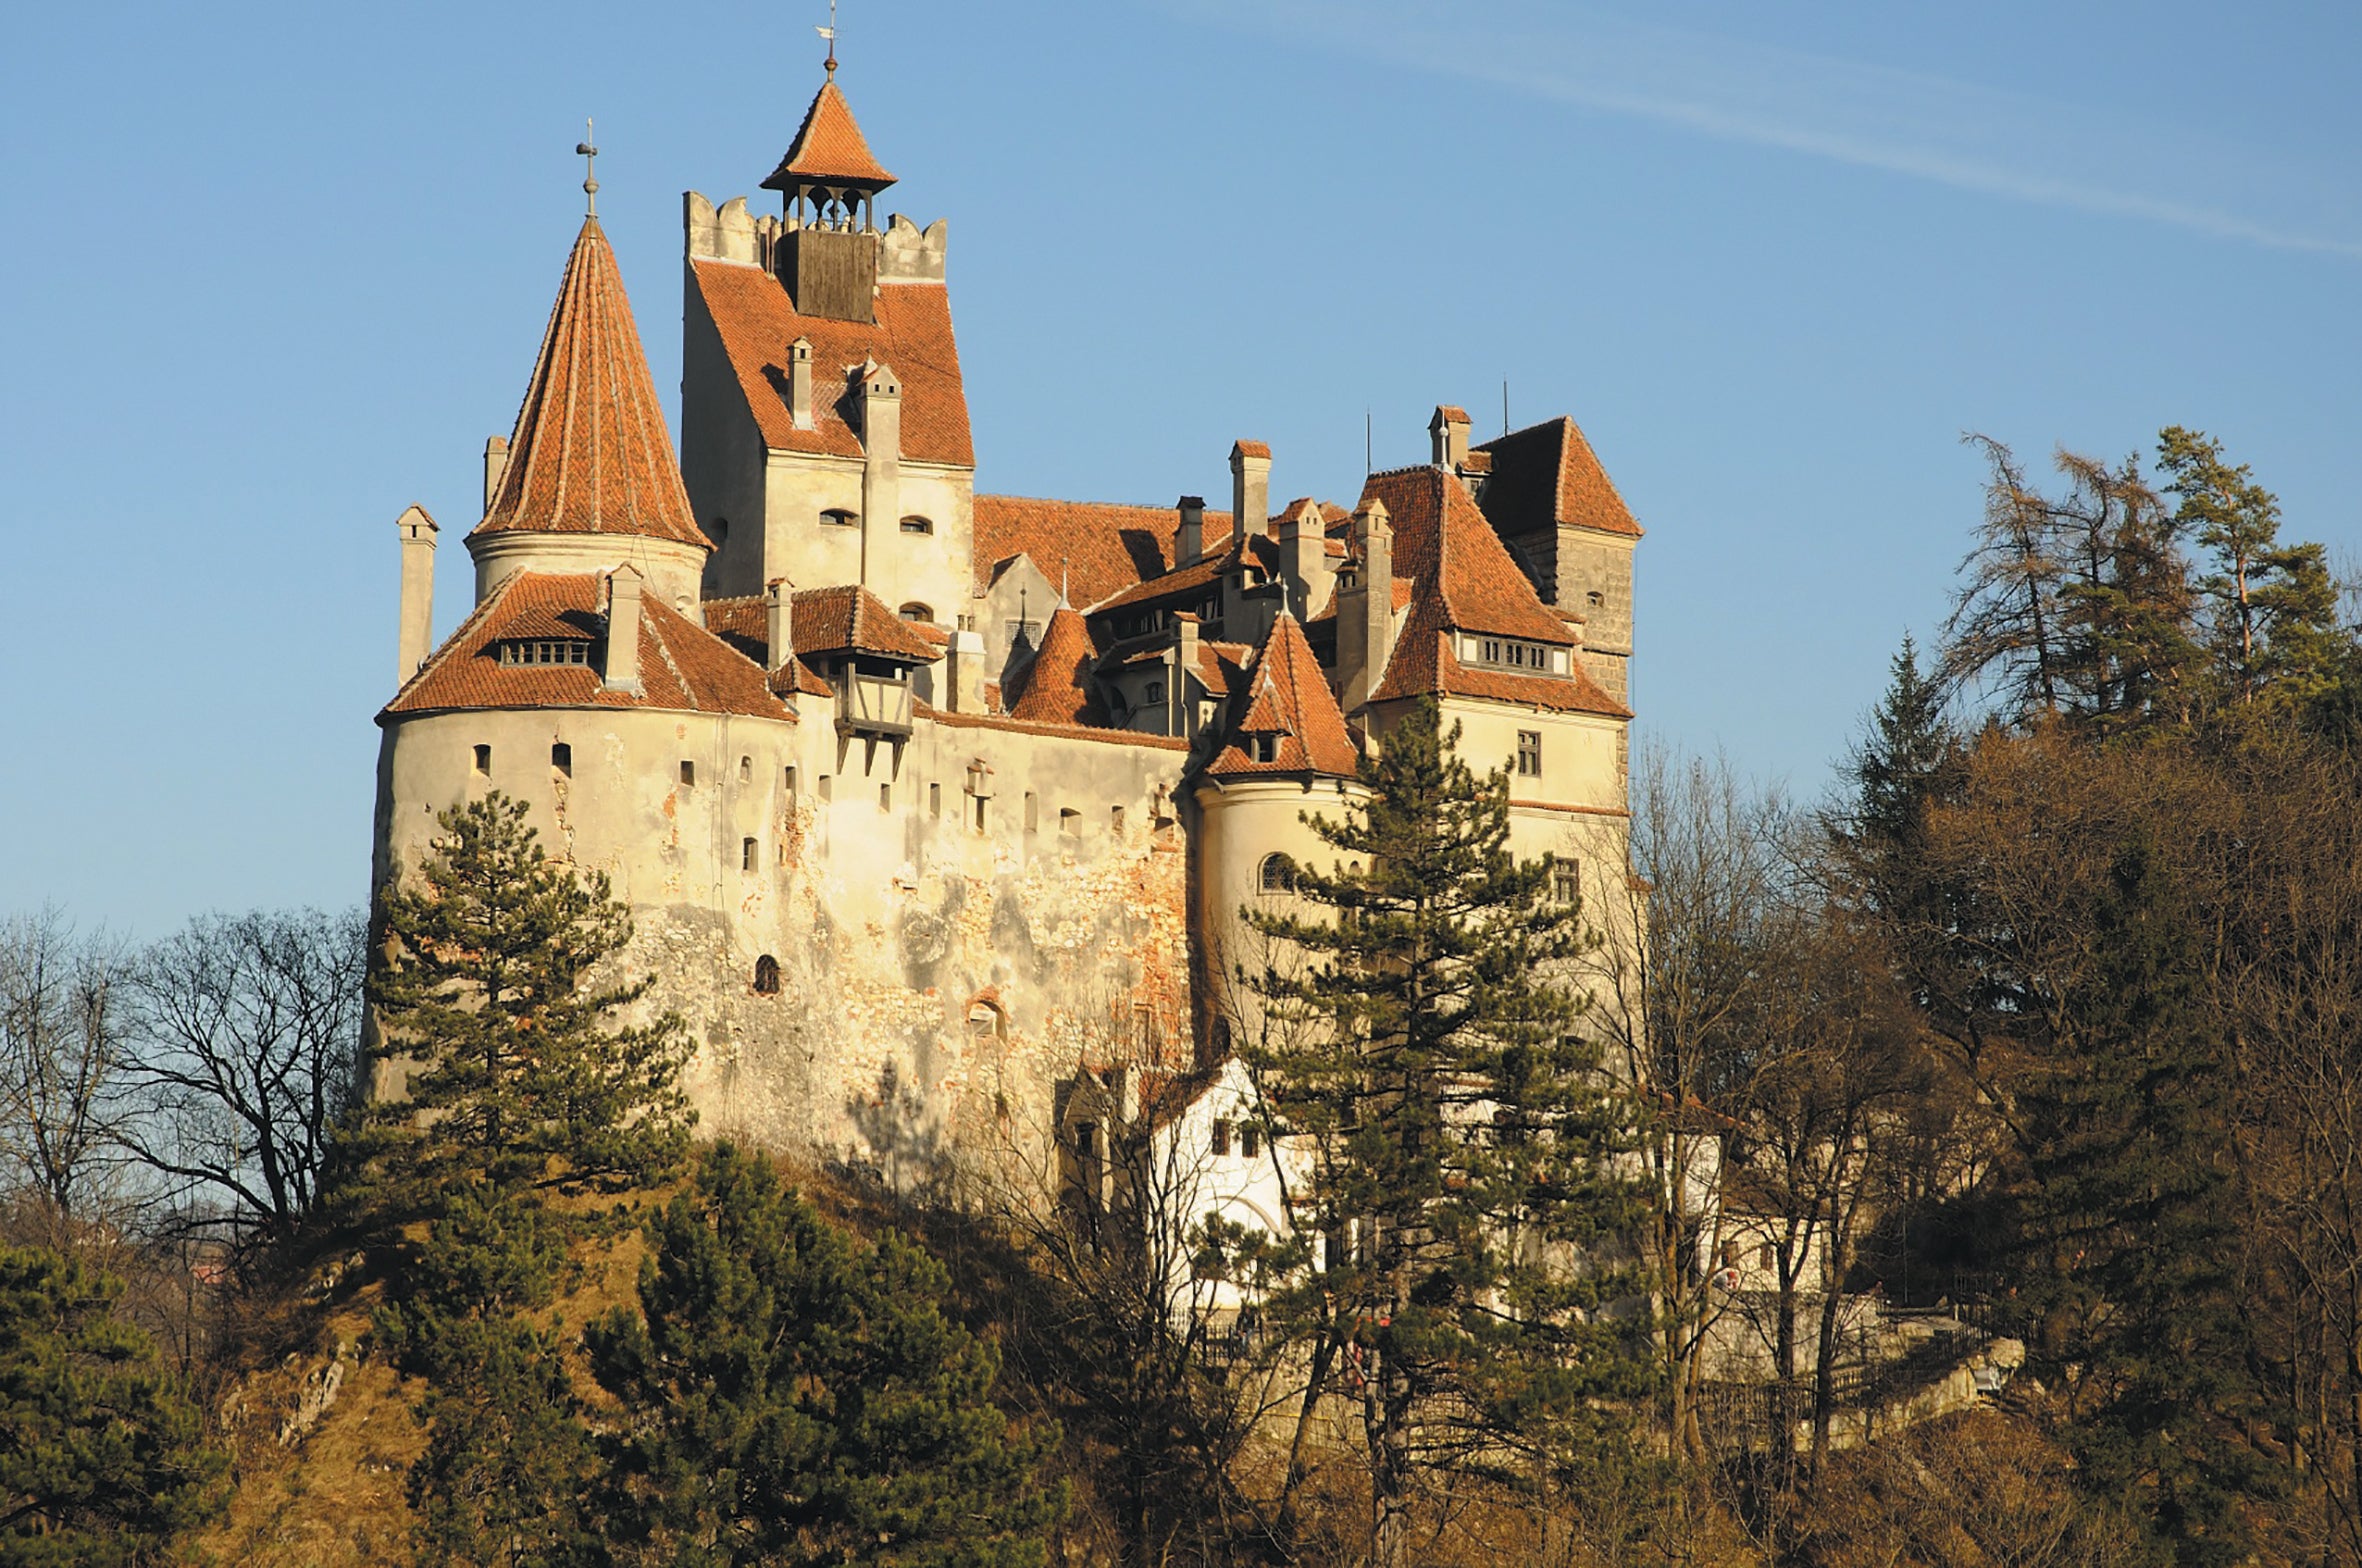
(875, 705)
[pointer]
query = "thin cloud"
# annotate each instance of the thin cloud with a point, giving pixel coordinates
(1988, 140)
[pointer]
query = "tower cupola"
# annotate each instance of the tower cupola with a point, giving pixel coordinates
(828, 183)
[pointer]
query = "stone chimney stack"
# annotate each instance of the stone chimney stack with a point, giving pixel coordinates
(963, 672)
(799, 383)
(1365, 612)
(1180, 711)
(1304, 558)
(495, 468)
(778, 624)
(1189, 537)
(418, 590)
(881, 464)
(623, 630)
(1447, 436)
(1250, 488)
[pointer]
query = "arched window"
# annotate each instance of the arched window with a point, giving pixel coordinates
(1277, 875)
(838, 517)
(915, 611)
(917, 525)
(766, 976)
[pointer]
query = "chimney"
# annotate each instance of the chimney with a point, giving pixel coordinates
(778, 625)
(1447, 437)
(1189, 538)
(495, 468)
(963, 674)
(799, 383)
(1365, 612)
(881, 463)
(1180, 711)
(1250, 488)
(1304, 558)
(623, 630)
(418, 589)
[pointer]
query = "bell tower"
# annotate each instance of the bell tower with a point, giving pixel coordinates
(827, 252)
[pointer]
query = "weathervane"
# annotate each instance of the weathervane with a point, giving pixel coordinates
(830, 33)
(589, 155)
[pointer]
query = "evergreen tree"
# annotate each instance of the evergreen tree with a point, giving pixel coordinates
(791, 1397)
(101, 1454)
(1429, 1061)
(490, 1000)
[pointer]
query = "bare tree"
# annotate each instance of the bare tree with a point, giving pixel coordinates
(247, 1032)
(61, 1053)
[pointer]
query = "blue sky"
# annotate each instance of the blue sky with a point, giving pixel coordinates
(275, 271)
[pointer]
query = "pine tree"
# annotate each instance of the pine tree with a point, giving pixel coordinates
(102, 1459)
(491, 1001)
(792, 1397)
(1430, 1063)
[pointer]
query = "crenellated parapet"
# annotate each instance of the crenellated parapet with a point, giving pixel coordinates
(906, 253)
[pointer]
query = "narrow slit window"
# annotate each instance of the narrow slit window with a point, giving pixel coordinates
(827, 789)
(688, 773)
(979, 800)
(561, 757)
(934, 800)
(1250, 1140)
(1115, 819)
(791, 786)
(885, 797)
(746, 770)
(1032, 813)
(483, 760)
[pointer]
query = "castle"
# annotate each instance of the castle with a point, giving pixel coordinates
(931, 805)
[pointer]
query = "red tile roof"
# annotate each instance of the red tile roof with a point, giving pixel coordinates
(850, 618)
(1424, 662)
(1057, 688)
(997, 721)
(829, 148)
(682, 665)
(591, 453)
(1251, 448)
(756, 321)
(1099, 548)
(1446, 547)
(745, 625)
(1547, 474)
(1284, 694)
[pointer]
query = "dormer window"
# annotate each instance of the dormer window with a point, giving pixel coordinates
(1263, 748)
(1508, 653)
(544, 650)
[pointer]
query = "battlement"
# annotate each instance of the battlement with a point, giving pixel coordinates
(906, 253)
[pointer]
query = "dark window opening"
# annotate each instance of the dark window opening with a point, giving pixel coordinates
(1529, 754)
(934, 800)
(746, 770)
(566, 650)
(688, 772)
(766, 976)
(1221, 1143)
(838, 517)
(746, 854)
(561, 757)
(1250, 1140)
(483, 759)
(915, 611)
(917, 525)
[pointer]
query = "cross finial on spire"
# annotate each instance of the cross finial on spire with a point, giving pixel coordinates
(589, 156)
(830, 33)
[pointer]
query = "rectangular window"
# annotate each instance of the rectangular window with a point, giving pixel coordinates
(1250, 1140)
(979, 802)
(791, 786)
(1221, 1138)
(1529, 754)
(1070, 821)
(885, 797)
(688, 773)
(1566, 881)
(1032, 813)
(561, 757)
(483, 760)
(827, 789)
(746, 854)
(1115, 820)
(934, 800)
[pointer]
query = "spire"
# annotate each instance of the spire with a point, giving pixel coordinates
(591, 453)
(829, 150)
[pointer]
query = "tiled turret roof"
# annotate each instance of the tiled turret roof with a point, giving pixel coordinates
(1445, 546)
(829, 149)
(1547, 474)
(591, 454)
(1057, 686)
(1284, 696)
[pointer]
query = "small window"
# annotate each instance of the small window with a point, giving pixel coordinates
(561, 757)
(934, 800)
(827, 789)
(1767, 1256)
(1278, 874)
(1221, 1141)
(766, 976)
(747, 852)
(791, 786)
(1250, 1140)
(1263, 748)
(979, 804)
(1070, 821)
(915, 611)
(1086, 1139)
(1115, 820)
(885, 797)
(1566, 881)
(1156, 691)
(719, 530)
(838, 517)
(1595, 599)
(1529, 754)
(1032, 814)
(746, 770)
(985, 1021)
(917, 525)
(688, 774)
(483, 759)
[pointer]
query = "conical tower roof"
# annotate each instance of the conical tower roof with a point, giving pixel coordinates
(829, 149)
(1057, 683)
(591, 454)
(1287, 700)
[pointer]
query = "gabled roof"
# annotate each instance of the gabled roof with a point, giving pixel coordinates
(1284, 695)
(1448, 549)
(851, 619)
(682, 665)
(591, 453)
(829, 149)
(1100, 548)
(1057, 686)
(757, 321)
(1424, 663)
(1547, 474)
